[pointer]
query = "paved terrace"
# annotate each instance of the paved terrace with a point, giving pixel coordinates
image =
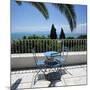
(73, 75)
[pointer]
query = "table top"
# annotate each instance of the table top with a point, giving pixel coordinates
(56, 56)
(49, 53)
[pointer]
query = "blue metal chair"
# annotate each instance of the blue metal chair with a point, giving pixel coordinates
(40, 65)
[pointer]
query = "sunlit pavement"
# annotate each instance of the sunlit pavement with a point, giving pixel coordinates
(70, 75)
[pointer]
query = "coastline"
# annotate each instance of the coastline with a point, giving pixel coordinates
(19, 35)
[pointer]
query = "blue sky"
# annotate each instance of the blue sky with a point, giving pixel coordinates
(26, 18)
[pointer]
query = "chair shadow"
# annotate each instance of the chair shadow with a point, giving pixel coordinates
(54, 77)
(16, 84)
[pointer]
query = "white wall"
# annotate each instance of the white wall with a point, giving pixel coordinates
(27, 60)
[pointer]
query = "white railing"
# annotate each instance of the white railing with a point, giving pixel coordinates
(43, 45)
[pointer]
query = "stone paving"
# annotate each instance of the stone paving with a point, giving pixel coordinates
(70, 75)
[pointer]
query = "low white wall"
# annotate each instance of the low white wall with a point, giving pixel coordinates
(27, 60)
(76, 58)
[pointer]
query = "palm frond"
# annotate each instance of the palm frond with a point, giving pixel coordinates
(18, 2)
(66, 9)
(69, 12)
(42, 8)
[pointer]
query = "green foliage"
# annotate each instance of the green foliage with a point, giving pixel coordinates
(53, 34)
(70, 38)
(24, 37)
(41, 45)
(82, 37)
(62, 34)
(34, 37)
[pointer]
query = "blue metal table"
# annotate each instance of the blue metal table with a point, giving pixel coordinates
(53, 59)
(49, 53)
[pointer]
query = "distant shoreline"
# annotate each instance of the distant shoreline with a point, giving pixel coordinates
(19, 35)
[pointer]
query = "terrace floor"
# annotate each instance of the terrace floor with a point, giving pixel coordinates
(71, 75)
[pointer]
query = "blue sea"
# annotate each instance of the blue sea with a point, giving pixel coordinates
(19, 35)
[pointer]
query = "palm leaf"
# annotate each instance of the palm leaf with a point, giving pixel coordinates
(40, 6)
(19, 2)
(68, 11)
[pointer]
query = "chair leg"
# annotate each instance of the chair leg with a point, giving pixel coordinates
(37, 75)
(43, 72)
(67, 71)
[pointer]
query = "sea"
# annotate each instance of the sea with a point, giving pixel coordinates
(19, 35)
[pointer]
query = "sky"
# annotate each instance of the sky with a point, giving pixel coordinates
(26, 18)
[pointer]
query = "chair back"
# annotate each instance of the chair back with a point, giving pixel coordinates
(55, 54)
